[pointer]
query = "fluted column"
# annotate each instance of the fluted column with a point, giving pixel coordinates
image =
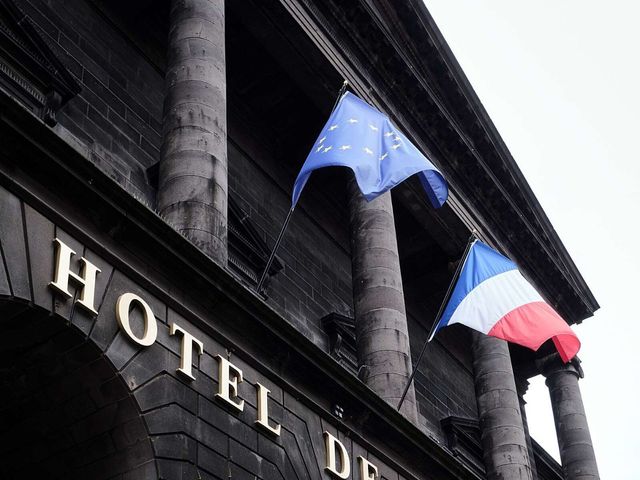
(192, 193)
(381, 324)
(501, 428)
(576, 449)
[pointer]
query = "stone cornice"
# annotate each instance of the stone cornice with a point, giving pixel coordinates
(395, 57)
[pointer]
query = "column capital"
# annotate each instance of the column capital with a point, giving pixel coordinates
(522, 385)
(552, 365)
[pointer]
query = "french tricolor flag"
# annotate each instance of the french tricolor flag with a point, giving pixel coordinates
(492, 297)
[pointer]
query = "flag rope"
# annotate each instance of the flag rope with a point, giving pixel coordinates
(472, 238)
(286, 221)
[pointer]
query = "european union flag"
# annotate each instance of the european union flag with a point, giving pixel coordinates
(360, 137)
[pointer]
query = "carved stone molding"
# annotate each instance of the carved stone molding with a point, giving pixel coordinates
(463, 439)
(29, 70)
(342, 339)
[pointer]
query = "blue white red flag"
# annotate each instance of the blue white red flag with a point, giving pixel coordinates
(492, 297)
(360, 137)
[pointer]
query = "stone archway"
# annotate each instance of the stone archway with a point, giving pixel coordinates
(65, 412)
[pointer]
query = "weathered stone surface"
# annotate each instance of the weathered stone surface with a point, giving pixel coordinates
(13, 244)
(193, 167)
(382, 334)
(503, 437)
(522, 386)
(576, 448)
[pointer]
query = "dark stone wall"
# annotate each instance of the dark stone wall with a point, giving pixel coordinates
(118, 114)
(66, 410)
(316, 278)
(65, 413)
(191, 434)
(444, 380)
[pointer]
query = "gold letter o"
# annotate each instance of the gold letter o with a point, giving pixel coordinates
(123, 306)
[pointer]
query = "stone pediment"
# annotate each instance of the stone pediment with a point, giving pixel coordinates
(29, 70)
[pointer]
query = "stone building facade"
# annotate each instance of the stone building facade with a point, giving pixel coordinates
(147, 155)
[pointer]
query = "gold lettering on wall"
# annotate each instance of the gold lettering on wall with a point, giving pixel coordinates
(125, 303)
(263, 410)
(186, 349)
(228, 378)
(336, 454)
(337, 462)
(368, 471)
(86, 279)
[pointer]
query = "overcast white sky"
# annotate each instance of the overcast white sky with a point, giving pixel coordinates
(561, 81)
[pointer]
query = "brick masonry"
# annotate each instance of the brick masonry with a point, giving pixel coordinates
(118, 114)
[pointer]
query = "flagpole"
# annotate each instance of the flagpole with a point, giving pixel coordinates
(286, 221)
(273, 252)
(472, 238)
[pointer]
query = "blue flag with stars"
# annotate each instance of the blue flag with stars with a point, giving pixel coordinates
(360, 137)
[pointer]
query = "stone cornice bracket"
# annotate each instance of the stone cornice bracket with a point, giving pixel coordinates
(29, 70)
(341, 330)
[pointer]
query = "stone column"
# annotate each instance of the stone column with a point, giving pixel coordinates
(576, 449)
(382, 334)
(192, 194)
(501, 428)
(522, 385)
